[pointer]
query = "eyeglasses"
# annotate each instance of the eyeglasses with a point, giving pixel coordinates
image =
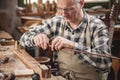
(66, 9)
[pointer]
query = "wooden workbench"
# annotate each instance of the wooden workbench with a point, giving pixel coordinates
(17, 63)
(6, 38)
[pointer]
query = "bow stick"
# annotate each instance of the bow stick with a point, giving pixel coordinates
(86, 52)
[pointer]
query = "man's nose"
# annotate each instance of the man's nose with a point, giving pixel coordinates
(64, 13)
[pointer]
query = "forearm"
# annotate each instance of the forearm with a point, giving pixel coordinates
(26, 39)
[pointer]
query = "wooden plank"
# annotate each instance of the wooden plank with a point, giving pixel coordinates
(34, 64)
(7, 42)
(28, 60)
(5, 35)
(25, 72)
(6, 38)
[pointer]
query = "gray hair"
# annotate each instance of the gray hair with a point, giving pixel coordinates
(77, 1)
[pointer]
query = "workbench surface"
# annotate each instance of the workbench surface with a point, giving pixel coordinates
(24, 63)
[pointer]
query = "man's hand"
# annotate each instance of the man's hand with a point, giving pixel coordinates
(60, 42)
(41, 40)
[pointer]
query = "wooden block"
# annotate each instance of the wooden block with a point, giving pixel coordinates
(16, 45)
(46, 71)
(5, 35)
(25, 72)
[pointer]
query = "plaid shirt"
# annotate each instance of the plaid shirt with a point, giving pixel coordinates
(99, 38)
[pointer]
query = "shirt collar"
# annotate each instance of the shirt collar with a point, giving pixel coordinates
(81, 26)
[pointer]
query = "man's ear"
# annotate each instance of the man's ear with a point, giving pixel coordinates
(82, 3)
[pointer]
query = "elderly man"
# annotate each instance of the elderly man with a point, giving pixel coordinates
(73, 28)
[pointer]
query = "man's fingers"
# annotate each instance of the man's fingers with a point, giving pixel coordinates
(36, 41)
(54, 42)
(57, 45)
(41, 40)
(45, 42)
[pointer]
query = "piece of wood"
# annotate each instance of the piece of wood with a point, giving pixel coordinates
(25, 72)
(30, 62)
(46, 71)
(7, 42)
(5, 35)
(6, 38)
(17, 45)
(115, 66)
(34, 64)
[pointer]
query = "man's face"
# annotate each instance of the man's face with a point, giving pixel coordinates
(68, 9)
